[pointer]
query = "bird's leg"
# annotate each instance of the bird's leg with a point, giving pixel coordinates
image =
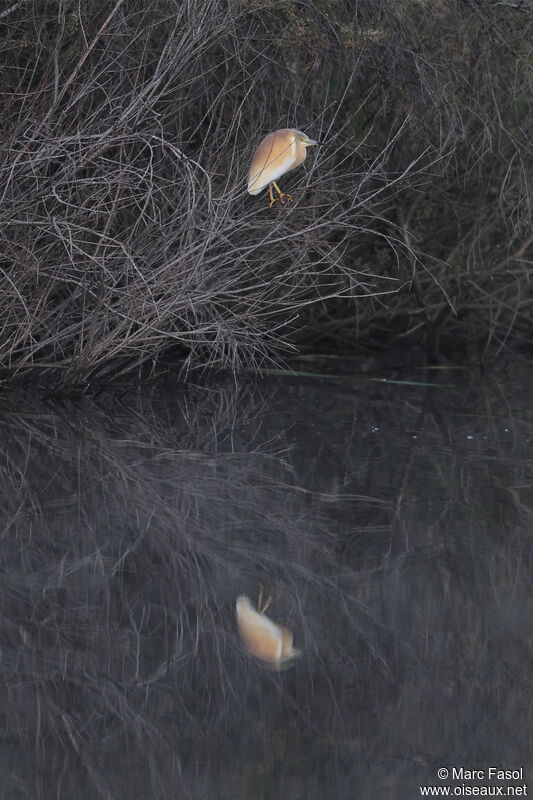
(262, 608)
(283, 198)
(272, 198)
(266, 605)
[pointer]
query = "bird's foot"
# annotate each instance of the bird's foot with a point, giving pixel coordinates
(283, 198)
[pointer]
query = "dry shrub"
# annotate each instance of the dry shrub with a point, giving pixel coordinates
(127, 130)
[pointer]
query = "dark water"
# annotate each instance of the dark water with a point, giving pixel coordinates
(392, 524)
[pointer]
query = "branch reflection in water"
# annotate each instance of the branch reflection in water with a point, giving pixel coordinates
(395, 524)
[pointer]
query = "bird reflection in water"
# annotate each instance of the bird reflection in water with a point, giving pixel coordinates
(264, 639)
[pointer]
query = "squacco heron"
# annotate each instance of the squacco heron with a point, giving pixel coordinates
(264, 639)
(279, 152)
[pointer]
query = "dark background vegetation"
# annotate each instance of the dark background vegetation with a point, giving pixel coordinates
(127, 129)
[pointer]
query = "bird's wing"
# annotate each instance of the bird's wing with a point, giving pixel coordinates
(273, 158)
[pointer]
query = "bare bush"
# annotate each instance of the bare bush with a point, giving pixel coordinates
(126, 229)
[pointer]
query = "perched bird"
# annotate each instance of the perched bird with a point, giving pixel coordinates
(279, 152)
(264, 639)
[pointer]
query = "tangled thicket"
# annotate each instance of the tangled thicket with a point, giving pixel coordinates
(127, 129)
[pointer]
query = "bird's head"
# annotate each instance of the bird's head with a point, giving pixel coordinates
(303, 138)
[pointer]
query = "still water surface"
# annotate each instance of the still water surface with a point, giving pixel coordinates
(391, 523)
